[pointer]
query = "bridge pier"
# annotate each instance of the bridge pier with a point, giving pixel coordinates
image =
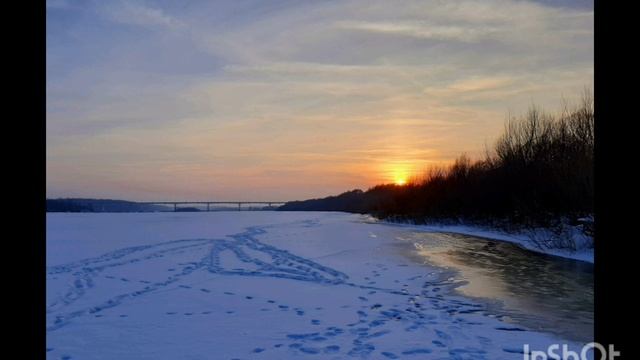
(208, 206)
(239, 206)
(175, 207)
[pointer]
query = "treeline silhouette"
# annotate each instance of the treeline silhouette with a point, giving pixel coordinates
(539, 172)
(100, 205)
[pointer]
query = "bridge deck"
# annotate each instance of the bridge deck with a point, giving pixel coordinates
(208, 203)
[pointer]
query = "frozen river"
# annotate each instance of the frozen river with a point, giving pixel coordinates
(279, 285)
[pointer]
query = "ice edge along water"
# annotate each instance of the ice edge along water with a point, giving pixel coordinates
(523, 238)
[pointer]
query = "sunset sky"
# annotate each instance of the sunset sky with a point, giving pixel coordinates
(282, 100)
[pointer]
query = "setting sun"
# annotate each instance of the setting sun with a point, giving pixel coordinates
(400, 174)
(400, 181)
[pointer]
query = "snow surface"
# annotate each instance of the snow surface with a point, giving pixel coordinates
(255, 285)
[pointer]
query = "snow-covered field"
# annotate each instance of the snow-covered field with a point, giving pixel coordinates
(256, 285)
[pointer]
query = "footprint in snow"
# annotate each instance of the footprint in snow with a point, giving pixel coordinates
(510, 329)
(411, 328)
(417, 351)
(331, 349)
(309, 350)
(442, 335)
(361, 350)
(389, 355)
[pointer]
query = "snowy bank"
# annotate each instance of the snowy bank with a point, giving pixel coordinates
(528, 239)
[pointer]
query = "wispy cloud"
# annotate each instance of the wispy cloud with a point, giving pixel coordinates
(224, 96)
(420, 30)
(137, 13)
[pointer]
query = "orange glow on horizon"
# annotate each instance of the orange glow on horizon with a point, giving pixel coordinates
(400, 173)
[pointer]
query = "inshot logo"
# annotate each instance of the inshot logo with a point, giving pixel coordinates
(557, 352)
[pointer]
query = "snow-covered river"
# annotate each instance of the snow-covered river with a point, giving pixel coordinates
(280, 285)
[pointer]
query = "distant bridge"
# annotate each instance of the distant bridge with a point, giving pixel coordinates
(208, 203)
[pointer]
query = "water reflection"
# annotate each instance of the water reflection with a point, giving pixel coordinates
(545, 293)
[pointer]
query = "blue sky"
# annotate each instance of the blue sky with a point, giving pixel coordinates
(151, 100)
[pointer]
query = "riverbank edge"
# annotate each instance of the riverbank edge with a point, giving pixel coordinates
(523, 238)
